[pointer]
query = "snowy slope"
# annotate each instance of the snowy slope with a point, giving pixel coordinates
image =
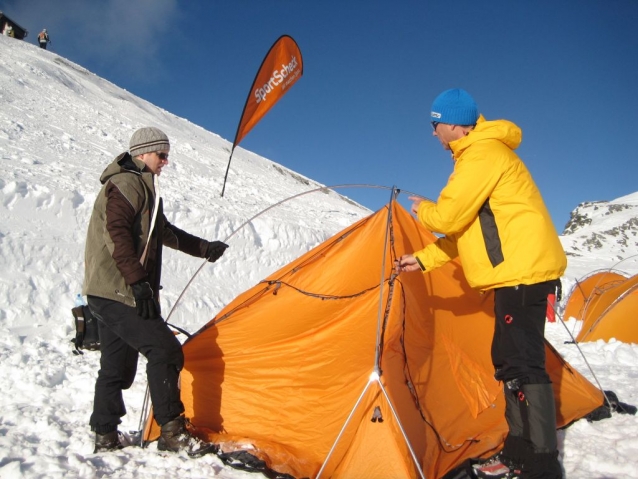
(60, 125)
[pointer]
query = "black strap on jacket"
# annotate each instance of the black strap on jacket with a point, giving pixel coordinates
(490, 234)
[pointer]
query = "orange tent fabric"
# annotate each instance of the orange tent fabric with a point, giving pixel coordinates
(335, 367)
(589, 287)
(612, 313)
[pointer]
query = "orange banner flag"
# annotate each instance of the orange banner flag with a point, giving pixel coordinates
(280, 69)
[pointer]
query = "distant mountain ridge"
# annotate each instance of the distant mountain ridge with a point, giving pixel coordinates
(604, 228)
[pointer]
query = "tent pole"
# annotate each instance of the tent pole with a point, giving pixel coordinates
(405, 436)
(144, 416)
(377, 362)
(279, 203)
(374, 377)
(394, 194)
(345, 425)
(377, 356)
(562, 320)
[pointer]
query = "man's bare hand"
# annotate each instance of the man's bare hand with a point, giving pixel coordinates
(406, 263)
(416, 201)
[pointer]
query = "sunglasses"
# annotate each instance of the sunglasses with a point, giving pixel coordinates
(435, 124)
(162, 156)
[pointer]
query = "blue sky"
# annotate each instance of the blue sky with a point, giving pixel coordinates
(566, 72)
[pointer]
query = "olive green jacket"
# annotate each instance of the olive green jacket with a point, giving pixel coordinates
(119, 231)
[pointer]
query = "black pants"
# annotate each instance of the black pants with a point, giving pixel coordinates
(518, 355)
(518, 346)
(124, 334)
(43, 45)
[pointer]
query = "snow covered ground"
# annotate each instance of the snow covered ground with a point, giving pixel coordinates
(60, 125)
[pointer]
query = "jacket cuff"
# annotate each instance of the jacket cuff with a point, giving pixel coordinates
(420, 264)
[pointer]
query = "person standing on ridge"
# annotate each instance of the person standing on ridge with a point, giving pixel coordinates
(494, 219)
(123, 260)
(43, 38)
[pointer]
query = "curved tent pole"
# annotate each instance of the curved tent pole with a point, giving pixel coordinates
(618, 299)
(609, 270)
(279, 203)
(587, 300)
(573, 340)
(395, 192)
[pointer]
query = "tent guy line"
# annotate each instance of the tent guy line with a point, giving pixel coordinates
(279, 203)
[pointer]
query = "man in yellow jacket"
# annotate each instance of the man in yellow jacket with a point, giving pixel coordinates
(493, 218)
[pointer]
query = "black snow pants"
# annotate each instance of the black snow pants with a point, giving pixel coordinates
(123, 335)
(518, 355)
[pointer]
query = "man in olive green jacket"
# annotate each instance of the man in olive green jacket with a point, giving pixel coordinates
(493, 218)
(123, 260)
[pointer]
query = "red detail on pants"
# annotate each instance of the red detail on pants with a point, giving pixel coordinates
(551, 314)
(508, 319)
(521, 396)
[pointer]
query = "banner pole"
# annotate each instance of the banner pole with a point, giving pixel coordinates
(227, 170)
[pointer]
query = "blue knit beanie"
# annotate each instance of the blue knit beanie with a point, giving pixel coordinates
(454, 107)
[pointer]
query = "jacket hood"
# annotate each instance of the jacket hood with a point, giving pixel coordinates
(123, 163)
(504, 131)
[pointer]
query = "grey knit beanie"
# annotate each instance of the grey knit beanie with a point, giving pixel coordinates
(148, 140)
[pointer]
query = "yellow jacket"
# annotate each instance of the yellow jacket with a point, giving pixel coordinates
(492, 214)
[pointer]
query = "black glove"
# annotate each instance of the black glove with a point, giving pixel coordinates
(146, 305)
(215, 250)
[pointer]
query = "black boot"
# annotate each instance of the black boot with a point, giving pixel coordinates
(515, 452)
(542, 465)
(109, 441)
(176, 437)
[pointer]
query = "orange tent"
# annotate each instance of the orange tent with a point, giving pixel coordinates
(335, 367)
(612, 313)
(589, 287)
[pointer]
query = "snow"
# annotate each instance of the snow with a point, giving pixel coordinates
(60, 125)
